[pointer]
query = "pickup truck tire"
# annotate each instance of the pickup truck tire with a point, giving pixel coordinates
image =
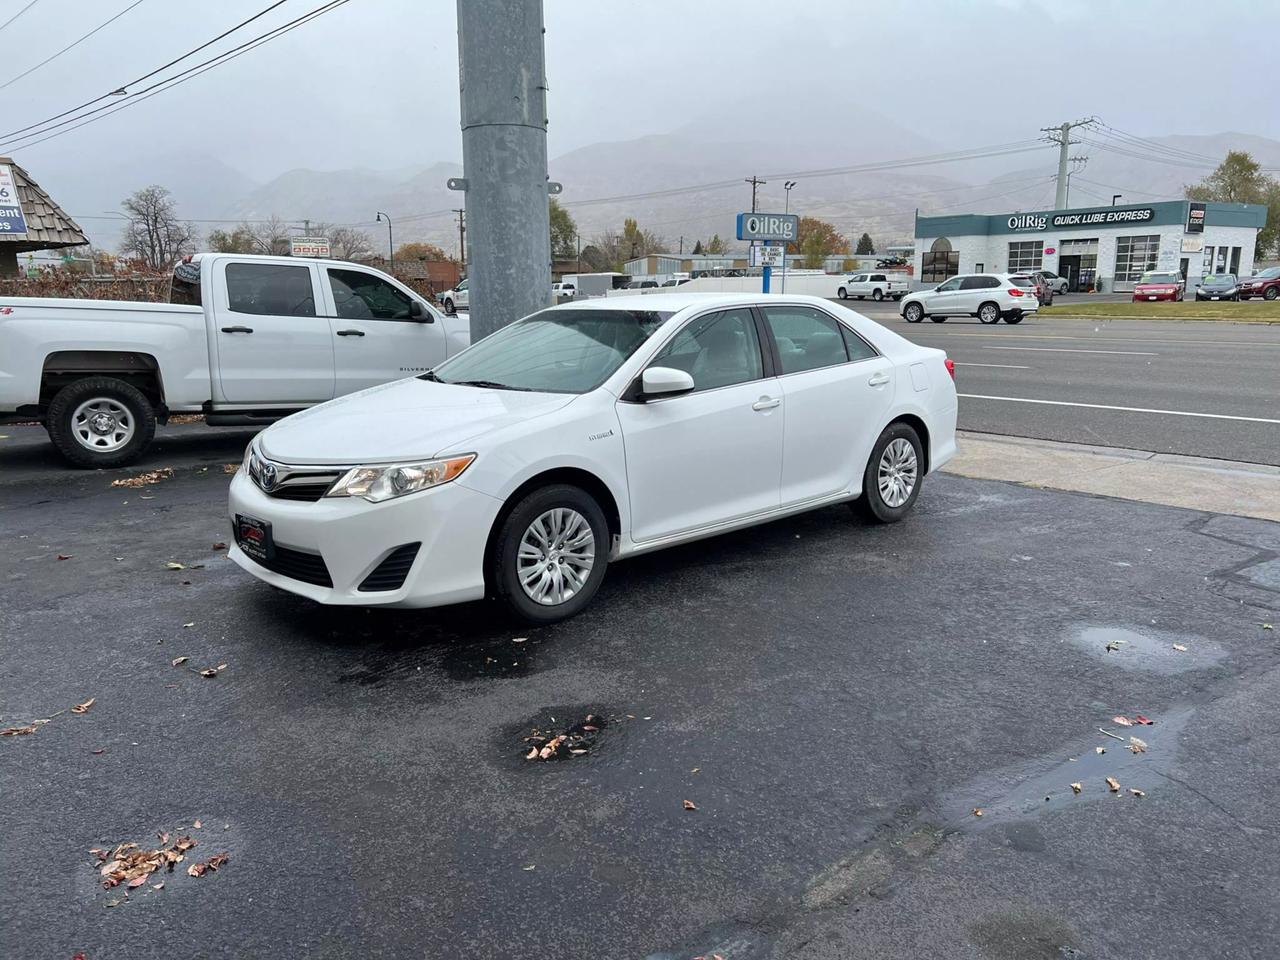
(877, 294)
(100, 422)
(842, 293)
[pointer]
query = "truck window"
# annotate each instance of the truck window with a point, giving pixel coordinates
(185, 286)
(362, 296)
(269, 289)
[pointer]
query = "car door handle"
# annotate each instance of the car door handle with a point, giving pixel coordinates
(351, 333)
(879, 380)
(237, 329)
(766, 403)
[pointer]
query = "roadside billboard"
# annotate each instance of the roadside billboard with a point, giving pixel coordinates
(12, 221)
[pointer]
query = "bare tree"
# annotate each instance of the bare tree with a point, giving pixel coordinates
(271, 236)
(155, 235)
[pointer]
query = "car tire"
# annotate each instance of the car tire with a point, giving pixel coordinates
(842, 293)
(989, 312)
(448, 305)
(518, 527)
(1271, 293)
(913, 313)
(125, 428)
(877, 295)
(1013, 317)
(896, 458)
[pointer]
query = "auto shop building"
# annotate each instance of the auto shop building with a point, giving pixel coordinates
(1095, 248)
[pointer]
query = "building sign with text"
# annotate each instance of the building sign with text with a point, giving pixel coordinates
(309, 246)
(1096, 218)
(12, 221)
(1195, 217)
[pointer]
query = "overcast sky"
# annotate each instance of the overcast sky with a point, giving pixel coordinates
(375, 82)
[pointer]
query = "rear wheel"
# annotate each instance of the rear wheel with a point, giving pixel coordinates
(842, 293)
(891, 481)
(1013, 318)
(989, 313)
(100, 422)
(938, 319)
(877, 295)
(913, 313)
(551, 554)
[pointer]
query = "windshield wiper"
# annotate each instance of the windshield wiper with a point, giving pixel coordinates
(488, 384)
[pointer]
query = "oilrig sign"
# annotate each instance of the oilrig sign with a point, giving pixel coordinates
(768, 226)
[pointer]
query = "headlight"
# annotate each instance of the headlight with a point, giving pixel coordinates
(248, 458)
(387, 481)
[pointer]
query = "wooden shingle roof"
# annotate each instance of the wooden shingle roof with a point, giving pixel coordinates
(48, 225)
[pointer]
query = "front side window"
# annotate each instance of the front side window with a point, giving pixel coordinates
(554, 351)
(362, 296)
(950, 285)
(807, 338)
(1136, 256)
(1026, 256)
(269, 289)
(716, 350)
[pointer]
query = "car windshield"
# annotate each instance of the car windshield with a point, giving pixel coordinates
(1223, 278)
(555, 351)
(1159, 278)
(1268, 274)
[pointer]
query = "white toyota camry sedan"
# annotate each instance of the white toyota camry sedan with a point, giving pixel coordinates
(587, 433)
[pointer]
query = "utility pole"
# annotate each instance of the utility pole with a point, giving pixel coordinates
(1115, 197)
(503, 85)
(1061, 135)
(681, 251)
(1074, 160)
(755, 183)
(462, 238)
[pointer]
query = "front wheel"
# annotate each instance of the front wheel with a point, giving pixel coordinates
(551, 554)
(842, 293)
(448, 305)
(989, 313)
(913, 313)
(100, 422)
(1271, 294)
(891, 481)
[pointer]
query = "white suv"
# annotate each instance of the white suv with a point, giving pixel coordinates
(877, 286)
(991, 297)
(455, 299)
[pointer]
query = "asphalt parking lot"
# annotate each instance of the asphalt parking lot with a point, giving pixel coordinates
(835, 700)
(1185, 387)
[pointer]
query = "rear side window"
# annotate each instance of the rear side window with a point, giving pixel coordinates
(185, 286)
(858, 348)
(972, 283)
(269, 289)
(879, 278)
(807, 339)
(362, 296)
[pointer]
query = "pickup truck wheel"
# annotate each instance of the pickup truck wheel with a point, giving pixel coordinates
(448, 305)
(100, 422)
(877, 295)
(1271, 293)
(842, 293)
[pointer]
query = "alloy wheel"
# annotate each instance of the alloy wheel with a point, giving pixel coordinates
(556, 555)
(897, 472)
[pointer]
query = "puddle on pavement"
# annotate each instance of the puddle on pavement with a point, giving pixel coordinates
(1043, 786)
(1152, 652)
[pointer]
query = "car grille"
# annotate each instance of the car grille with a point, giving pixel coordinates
(390, 573)
(307, 484)
(307, 489)
(298, 565)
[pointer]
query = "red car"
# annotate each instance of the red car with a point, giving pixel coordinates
(1265, 284)
(1158, 286)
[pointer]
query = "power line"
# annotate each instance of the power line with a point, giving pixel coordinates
(145, 76)
(169, 82)
(18, 14)
(74, 43)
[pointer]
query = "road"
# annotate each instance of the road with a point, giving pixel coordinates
(835, 700)
(1195, 388)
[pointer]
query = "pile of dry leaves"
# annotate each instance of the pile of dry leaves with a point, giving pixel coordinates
(572, 742)
(132, 865)
(145, 479)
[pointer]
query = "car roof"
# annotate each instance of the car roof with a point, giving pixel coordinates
(676, 301)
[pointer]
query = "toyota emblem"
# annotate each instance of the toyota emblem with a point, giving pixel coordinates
(267, 476)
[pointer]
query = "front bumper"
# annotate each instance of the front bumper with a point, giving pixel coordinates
(1150, 297)
(353, 536)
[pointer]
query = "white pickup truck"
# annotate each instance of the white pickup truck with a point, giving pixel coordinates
(243, 340)
(875, 284)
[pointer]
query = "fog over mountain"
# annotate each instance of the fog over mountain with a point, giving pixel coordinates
(357, 111)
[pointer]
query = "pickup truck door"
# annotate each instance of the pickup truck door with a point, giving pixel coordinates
(272, 346)
(381, 332)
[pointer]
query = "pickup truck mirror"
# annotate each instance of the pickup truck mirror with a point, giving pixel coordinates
(418, 312)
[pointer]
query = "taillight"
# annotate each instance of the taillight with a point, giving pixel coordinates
(1016, 292)
(950, 365)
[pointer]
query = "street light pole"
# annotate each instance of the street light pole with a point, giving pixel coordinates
(1115, 197)
(787, 209)
(391, 246)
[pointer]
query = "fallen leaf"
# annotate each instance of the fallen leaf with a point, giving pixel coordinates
(217, 860)
(188, 626)
(1077, 787)
(1143, 720)
(1181, 648)
(519, 639)
(229, 468)
(1137, 746)
(197, 869)
(690, 805)
(1113, 645)
(577, 753)
(695, 769)
(532, 754)
(138, 881)
(179, 661)
(17, 731)
(531, 866)
(219, 546)
(100, 750)
(977, 811)
(1267, 626)
(208, 672)
(1136, 792)
(197, 824)
(1114, 784)
(66, 556)
(158, 886)
(174, 565)
(84, 707)
(1123, 721)
(1099, 749)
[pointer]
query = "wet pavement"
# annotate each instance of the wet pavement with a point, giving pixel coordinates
(834, 700)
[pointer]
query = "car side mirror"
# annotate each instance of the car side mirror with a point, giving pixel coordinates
(420, 313)
(665, 382)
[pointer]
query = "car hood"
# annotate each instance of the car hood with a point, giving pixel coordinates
(398, 421)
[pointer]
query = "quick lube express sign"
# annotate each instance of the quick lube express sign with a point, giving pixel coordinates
(1042, 221)
(12, 221)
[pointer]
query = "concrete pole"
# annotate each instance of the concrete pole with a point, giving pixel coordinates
(1064, 146)
(504, 158)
